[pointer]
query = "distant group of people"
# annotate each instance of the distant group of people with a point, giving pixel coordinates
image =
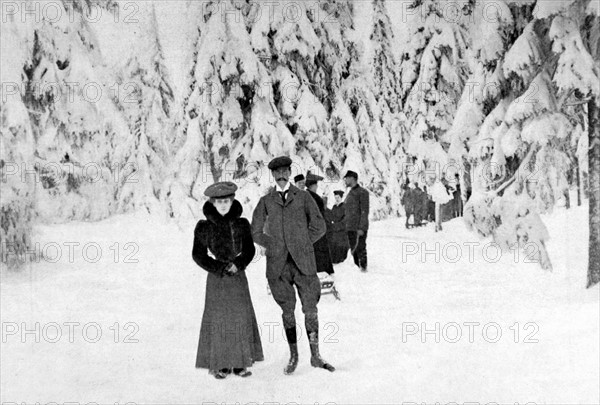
(419, 204)
(301, 237)
(347, 222)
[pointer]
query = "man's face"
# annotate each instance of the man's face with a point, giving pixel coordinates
(301, 184)
(282, 174)
(348, 181)
(338, 198)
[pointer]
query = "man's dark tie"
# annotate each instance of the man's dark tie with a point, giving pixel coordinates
(283, 194)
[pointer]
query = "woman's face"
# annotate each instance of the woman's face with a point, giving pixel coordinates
(223, 205)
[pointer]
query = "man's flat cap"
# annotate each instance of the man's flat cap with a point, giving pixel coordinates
(222, 189)
(281, 161)
(298, 178)
(350, 173)
(339, 192)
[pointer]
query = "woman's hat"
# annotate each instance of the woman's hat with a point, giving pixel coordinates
(298, 178)
(339, 192)
(312, 179)
(221, 189)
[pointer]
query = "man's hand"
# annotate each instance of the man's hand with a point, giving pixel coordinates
(232, 270)
(262, 250)
(360, 232)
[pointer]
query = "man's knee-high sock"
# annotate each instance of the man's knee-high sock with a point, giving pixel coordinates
(311, 322)
(289, 324)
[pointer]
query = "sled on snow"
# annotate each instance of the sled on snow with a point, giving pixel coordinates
(327, 286)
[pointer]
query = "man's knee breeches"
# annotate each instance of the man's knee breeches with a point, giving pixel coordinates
(282, 288)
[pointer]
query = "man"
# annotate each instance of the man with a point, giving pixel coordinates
(408, 202)
(457, 195)
(321, 246)
(357, 219)
(420, 205)
(430, 207)
(336, 231)
(300, 182)
(287, 222)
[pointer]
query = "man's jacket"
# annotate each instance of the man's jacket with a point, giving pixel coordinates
(291, 228)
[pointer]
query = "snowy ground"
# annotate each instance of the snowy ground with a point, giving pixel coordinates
(547, 353)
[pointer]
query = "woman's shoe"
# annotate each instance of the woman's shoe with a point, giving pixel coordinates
(242, 372)
(221, 374)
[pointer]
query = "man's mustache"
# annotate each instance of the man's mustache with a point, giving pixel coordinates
(281, 179)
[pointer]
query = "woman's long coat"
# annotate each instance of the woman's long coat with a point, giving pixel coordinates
(322, 255)
(336, 233)
(229, 336)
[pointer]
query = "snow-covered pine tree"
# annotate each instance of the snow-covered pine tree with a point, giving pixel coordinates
(185, 166)
(191, 27)
(506, 148)
(386, 144)
(575, 33)
(233, 125)
(62, 121)
(385, 67)
(289, 43)
(16, 147)
(523, 145)
(489, 36)
(148, 106)
(433, 75)
(365, 119)
(575, 36)
(333, 23)
(295, 101)
(73, 116)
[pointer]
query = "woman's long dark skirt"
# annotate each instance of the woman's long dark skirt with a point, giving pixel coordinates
(229, 336)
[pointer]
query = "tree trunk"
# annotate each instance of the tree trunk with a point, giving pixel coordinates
(438, 216)
(594, 193)
(578, 174)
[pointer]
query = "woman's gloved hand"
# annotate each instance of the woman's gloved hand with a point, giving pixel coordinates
(231, 270)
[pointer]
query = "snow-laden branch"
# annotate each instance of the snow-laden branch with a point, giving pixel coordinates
(532, 150)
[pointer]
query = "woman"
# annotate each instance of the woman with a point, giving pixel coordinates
(321, 246)
(229, 337)
(336, 229)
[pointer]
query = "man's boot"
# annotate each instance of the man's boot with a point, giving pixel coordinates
(290, 333)
(311, 321)
(315, 358)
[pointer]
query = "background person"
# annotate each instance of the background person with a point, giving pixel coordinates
(336, 229)
(300, 182)
(324, 264)
(357, 219)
